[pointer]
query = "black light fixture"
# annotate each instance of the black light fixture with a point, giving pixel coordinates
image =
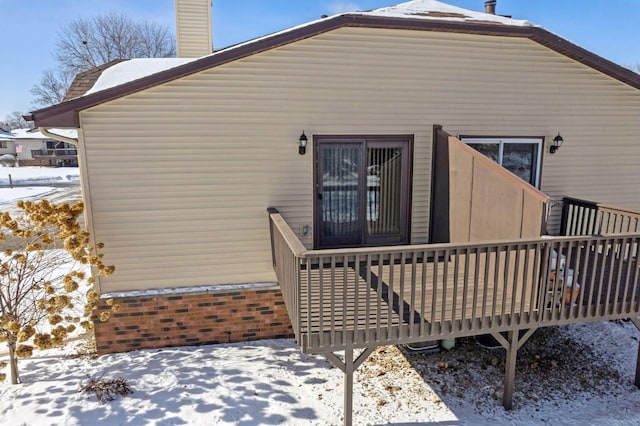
(557, 143)
(303, 143)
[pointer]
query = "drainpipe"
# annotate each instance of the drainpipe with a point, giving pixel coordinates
(490, 7)
(57, 137)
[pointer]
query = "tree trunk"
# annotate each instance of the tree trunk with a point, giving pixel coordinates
(13, 363)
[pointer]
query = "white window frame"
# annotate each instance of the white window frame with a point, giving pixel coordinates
(501, 141)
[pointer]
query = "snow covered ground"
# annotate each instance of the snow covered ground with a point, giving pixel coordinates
(30, 174)
(11, 195)
(270, 382)
(573, 375)
(46, 183)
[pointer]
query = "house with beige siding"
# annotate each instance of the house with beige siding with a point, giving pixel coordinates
(420, 163)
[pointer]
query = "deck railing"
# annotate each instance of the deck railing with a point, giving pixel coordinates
(582, 217)
(286, 250)
(372, 297)
(53, 153)
(367, 297)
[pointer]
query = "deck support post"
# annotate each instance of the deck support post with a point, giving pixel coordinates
(636, 322)
(510, 370)
(348, 367)
(348, 387)
(637, 380)
(512, 344)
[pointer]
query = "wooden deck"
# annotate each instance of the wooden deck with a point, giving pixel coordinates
(367, 297)
(343, 304)
(342, 299)
(380, 300)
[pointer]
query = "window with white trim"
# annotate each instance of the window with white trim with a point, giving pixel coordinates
(521, 156)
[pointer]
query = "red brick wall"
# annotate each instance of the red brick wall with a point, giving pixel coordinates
(146, 322)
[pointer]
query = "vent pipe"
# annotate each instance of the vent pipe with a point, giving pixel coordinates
(490, 7)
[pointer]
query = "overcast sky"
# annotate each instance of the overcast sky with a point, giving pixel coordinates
(29, 29)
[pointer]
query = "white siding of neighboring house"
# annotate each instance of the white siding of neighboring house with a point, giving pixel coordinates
(7, 147)
(27, 146)
(181, 174)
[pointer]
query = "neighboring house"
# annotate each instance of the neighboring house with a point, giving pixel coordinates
(181, 158)
(36, 149)
(6, 143)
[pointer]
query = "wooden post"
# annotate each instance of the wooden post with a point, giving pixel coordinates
(10, 181)
(512, 345)
(271, 211)
(564, 219)
(348, 367)
(636, 322)
(510, 370)
(637, 381)
(348, 387)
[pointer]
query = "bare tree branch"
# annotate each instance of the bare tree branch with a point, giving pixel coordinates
(85, 44)
(155, 41)
(15, 121)
(52, 88)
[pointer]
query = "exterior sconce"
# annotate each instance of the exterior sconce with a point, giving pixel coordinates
(557, 143)
(303, 143)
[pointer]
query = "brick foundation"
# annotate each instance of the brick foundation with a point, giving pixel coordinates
(181, 319)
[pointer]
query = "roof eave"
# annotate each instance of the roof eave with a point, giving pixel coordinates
(584, 56)
(66, 114)
(55, 117)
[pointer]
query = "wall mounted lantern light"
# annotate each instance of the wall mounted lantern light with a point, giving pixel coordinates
(557, 143)
(303, 143)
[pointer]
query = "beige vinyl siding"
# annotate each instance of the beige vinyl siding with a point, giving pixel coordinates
(181, 174)
(193, 28)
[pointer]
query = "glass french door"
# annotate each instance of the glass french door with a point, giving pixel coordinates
(362, 191)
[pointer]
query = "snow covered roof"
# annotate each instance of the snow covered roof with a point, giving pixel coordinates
(35, 134)
(4, 136)
(134, 75)
(65, 133)
(432, 9)
(135, 69)
(27, 134)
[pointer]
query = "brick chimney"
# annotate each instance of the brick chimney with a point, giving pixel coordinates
(193, 28)
(490, 7)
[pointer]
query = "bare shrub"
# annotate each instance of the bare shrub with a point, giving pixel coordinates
(106, 389)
